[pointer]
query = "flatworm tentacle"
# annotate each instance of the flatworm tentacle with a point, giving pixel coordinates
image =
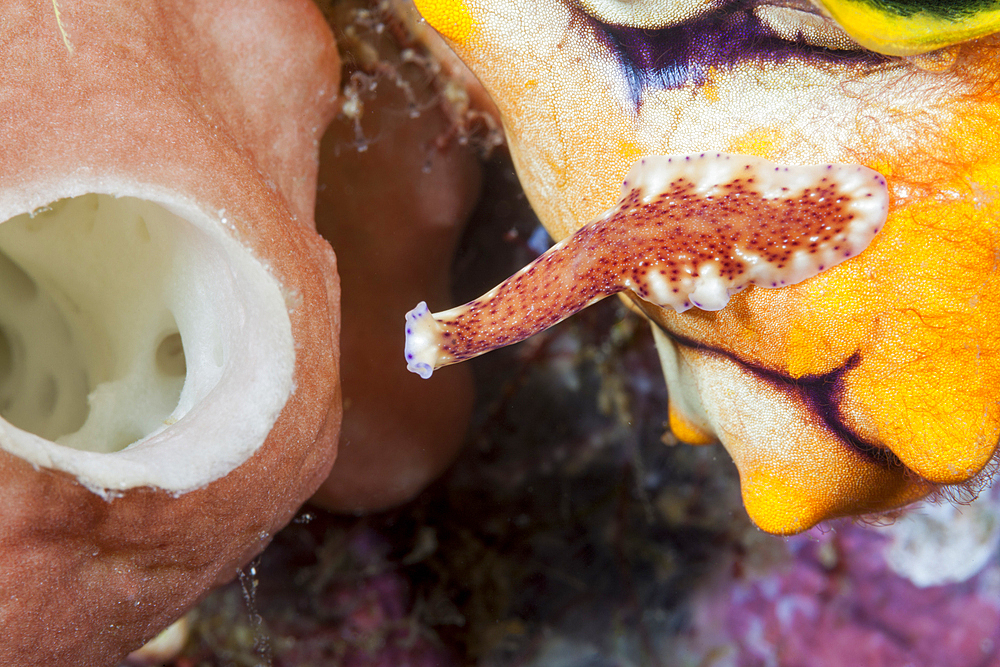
(689, 231)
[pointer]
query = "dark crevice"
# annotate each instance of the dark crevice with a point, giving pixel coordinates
(675, 56)
(820, 393)
(949, 10)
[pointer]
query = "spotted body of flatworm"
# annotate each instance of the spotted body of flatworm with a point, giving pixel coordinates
(689, 231)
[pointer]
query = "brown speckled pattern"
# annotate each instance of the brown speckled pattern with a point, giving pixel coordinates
(681, 243)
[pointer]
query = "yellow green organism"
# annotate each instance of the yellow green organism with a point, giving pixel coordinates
(911, 27)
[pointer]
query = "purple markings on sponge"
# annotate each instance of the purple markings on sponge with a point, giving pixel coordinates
(691, 230)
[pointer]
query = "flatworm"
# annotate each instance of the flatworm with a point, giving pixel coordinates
(689, 231)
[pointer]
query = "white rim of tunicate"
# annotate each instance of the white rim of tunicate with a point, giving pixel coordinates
(155, 417)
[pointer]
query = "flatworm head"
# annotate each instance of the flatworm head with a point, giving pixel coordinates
(689, 231)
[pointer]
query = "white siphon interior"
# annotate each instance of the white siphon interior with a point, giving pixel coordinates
(140, 344)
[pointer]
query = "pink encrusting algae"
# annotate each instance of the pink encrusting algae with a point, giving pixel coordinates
(689, 231)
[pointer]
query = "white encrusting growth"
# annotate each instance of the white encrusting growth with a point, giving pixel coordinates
(140, 344)
(648, 14)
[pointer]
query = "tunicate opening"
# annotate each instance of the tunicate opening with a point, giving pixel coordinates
(141, 344)
(90, 353)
